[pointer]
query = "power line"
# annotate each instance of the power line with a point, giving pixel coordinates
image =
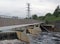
(28, 10)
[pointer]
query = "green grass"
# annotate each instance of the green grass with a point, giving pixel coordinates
(52, 18)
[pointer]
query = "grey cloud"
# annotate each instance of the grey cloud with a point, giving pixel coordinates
(19, 7)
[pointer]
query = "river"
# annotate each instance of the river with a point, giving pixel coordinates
(45, 38)
(41, 38)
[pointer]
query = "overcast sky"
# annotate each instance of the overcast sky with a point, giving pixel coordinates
(19, 7)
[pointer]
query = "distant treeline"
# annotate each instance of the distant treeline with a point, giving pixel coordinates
(49, 16)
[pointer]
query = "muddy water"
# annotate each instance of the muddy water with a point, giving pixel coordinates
(45, 38)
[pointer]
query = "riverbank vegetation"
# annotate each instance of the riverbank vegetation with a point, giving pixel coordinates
(49, 16)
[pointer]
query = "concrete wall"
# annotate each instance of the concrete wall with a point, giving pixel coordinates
(35, 30)
(23, 37)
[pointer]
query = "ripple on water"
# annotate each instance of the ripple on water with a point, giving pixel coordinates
(46, 38)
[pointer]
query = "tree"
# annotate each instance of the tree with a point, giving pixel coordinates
(48, 14)
(41, 17)
(57, 11)
(34, 16)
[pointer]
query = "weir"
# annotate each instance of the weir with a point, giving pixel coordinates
(43, 28)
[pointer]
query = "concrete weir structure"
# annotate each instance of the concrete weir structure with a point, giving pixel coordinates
(21, 26)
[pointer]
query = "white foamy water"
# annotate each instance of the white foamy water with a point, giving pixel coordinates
(15, 41)
(45, 38)
(42, 38)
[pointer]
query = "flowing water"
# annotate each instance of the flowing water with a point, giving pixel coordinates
(42, 38)
(15, 41)
(45, 38)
